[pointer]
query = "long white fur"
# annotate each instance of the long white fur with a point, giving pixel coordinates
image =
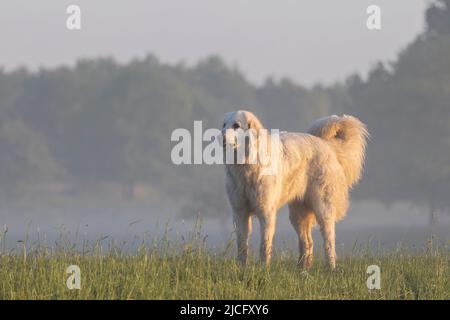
(315, 171)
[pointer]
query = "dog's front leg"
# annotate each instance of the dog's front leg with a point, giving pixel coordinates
(267, 223)
(243, 227)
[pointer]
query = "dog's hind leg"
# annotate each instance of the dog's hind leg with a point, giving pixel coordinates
(267, 223)
(303, 220)
(243, 225)
(327, 227)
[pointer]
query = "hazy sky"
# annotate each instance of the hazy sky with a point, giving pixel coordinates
(309, 41)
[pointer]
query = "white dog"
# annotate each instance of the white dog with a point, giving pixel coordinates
(314, 173)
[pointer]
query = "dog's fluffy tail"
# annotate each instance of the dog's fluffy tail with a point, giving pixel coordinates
(348, 136)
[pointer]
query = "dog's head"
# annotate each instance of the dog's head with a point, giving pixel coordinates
(238, 122)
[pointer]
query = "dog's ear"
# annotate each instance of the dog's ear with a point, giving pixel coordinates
(253, 122)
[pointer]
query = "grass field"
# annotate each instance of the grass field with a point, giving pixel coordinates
(188, 270)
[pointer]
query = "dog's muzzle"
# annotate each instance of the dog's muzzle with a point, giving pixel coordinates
(228, 138)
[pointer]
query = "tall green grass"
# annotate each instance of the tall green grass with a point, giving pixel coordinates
(187, 269)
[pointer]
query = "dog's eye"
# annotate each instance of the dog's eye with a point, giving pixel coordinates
(236, 126)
